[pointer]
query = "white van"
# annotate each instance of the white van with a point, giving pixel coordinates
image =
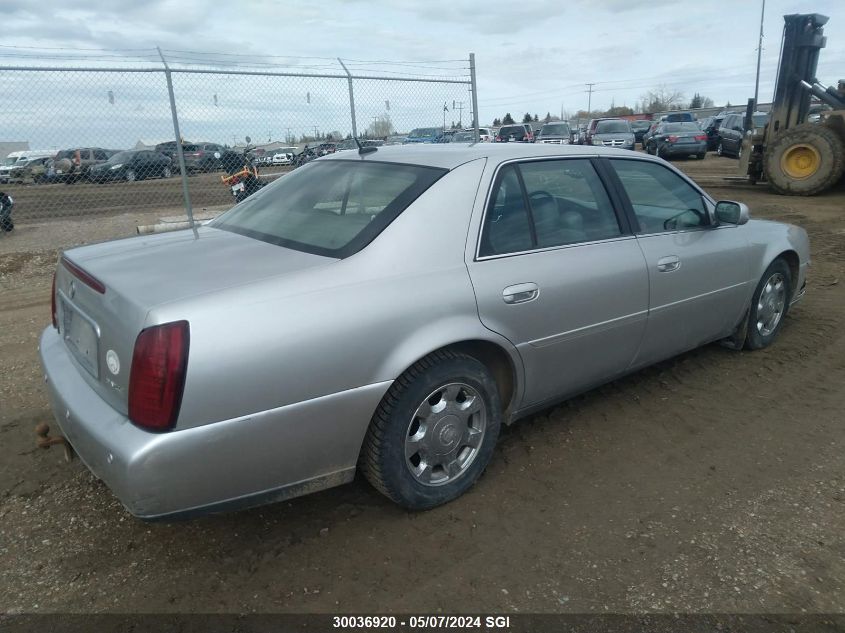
(22, 159)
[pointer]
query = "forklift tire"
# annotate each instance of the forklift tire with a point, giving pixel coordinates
(805, 160)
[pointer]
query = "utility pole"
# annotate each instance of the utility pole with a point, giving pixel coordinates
(589, 92)
(759, 52)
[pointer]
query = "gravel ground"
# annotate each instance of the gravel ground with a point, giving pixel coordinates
(713, 482)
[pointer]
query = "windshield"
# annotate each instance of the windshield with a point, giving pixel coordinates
(332, 208)
(425, 132)
(641, 125)
(555, 129)
(612, 127)
(120, 157)
(9, 161)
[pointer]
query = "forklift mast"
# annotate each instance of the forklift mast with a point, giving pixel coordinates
(803, 38)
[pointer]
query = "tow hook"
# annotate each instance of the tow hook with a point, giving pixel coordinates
(42, 432)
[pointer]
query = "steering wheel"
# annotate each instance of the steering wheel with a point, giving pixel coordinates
(539, 194)
(668, 222)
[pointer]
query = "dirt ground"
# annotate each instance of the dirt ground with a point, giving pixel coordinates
(714, 482)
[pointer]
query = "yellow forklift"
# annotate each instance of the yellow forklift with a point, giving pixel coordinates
(794, 156)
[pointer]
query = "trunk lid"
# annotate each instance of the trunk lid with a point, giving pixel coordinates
(99, 328)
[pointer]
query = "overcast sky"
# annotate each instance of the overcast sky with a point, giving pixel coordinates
(532, 55)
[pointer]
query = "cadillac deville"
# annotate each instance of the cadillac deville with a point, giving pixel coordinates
(385, 311)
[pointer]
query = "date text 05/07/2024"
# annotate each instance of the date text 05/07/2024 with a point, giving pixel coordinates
(352, 622)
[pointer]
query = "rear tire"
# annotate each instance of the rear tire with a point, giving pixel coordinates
(166, 173)
(130, 175)
(805, 160)
(769, 305)
(434, 432)
(700, 156)
(720, 151)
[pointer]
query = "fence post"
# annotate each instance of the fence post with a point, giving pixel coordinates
(179, 154)
(474, 90)
(351, 98)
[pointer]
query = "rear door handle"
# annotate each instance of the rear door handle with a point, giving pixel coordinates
(669, 263)
(520, 293)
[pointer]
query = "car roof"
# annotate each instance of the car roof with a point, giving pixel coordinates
(451, 155)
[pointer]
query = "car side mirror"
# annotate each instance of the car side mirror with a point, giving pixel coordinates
(730, 212)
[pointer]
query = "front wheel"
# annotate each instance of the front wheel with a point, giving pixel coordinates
(166, 173)
(769, 305)
(130, 175)
(700, 156)
(434, 432)
(720, 151)
(805, 160)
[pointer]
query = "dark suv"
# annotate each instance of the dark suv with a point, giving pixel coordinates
(71, 165)
(199, 156)
(517, 132)
(732, 130)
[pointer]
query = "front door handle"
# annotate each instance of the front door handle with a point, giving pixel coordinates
(520, 293)
(668, 264)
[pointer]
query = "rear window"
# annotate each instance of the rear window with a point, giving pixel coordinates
(517, 130)
(331, 208)
(681, 127)
(189, 148)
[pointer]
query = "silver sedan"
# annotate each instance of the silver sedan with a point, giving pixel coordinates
(386, 311)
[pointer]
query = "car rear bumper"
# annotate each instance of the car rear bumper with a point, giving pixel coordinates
(266, 456)
(686, 149)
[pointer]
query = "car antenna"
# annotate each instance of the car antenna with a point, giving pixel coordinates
(369, 149)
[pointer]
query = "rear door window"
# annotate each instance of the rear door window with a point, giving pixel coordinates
(568, 202)
(547, 203)
(507, 227)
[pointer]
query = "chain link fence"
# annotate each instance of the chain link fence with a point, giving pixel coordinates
(85, 139)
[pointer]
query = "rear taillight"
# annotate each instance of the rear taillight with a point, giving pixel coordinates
(83, 276)
(53, 303)
(672, 138)
(701, 137)
(157, 377)
(498, 138)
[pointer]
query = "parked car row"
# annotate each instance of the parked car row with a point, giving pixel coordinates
(722, 133)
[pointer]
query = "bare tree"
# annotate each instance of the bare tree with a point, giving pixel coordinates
(661, 99)
(381, 127)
